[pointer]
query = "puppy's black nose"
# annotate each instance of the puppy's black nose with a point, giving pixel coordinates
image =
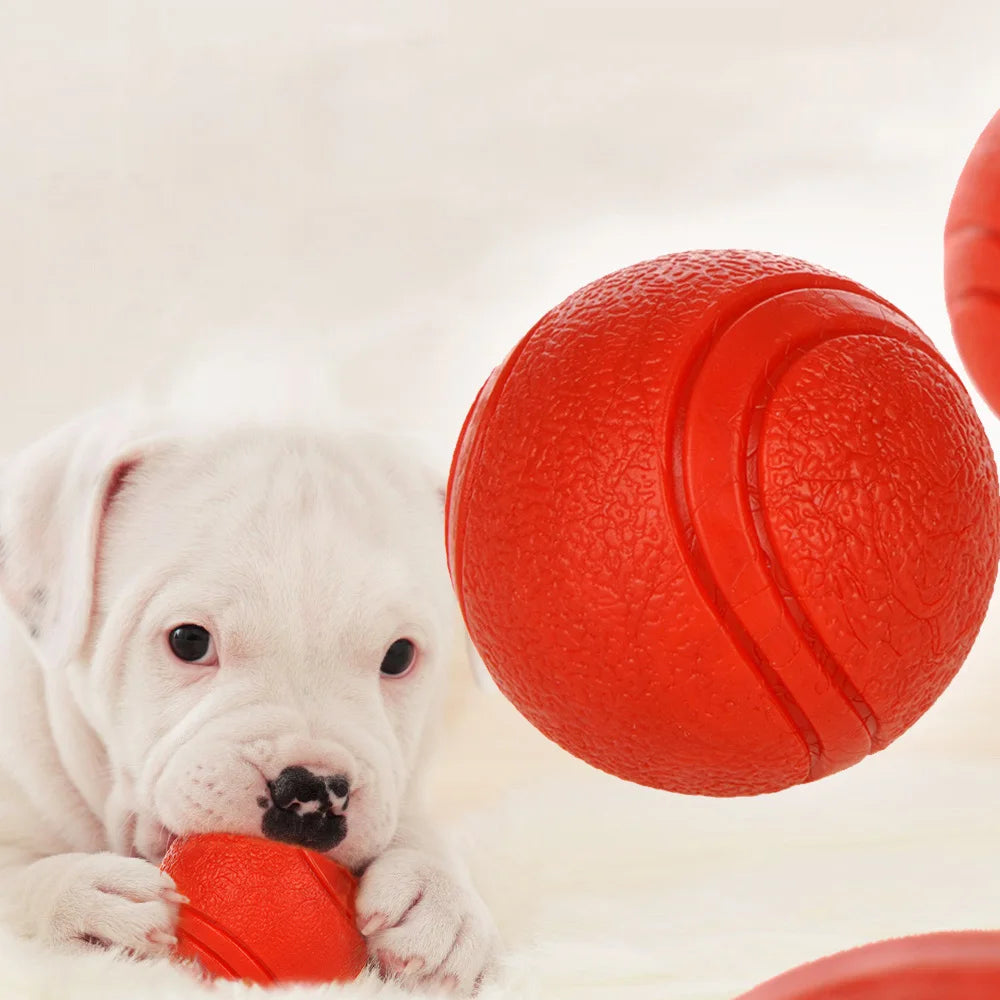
(306, 809)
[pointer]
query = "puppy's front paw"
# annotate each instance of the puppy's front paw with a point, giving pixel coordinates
(76, 900)
(425, 925)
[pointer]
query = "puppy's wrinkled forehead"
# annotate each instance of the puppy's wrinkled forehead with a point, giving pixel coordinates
(308, 513)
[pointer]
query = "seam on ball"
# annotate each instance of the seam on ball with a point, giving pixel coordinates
(758, 407)
(201, 947)
(692, 551)
(324, 882)
(976, 292)
(973, 229)
(251, 958)
(741, 637)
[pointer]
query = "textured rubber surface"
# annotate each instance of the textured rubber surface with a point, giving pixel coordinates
(972, 263)
(265, 912)
(956, 965)
(723, 522)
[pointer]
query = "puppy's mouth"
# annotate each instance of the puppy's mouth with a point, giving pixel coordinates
(318, 831)
(300, 808)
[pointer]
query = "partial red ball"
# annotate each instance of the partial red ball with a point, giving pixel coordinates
(265, 912)
(954, 965)
(723, 522)
(972, 264)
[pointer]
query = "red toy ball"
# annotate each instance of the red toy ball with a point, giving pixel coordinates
(958, 965)
(972, 264)
(265, 912)
(723, 522)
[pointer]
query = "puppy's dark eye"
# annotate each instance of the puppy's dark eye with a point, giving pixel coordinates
(398, 658)
(192, 644)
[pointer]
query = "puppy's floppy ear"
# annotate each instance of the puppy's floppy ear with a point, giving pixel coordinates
(53, 498)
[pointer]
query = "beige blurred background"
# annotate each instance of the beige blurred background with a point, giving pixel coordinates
(404, 188)
(415, 183)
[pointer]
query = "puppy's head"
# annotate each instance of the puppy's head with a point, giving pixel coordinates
(255, 623)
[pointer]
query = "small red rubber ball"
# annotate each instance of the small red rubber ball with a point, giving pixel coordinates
(723, 522)
(950, 965)
(972, 264)
(265, 912)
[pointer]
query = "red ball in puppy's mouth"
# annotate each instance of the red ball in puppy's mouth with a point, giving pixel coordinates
(263, 911)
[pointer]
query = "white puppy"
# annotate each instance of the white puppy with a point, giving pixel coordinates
(244, 630)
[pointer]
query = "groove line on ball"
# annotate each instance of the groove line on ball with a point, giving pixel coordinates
(324, 882)
(987, 233)
(757, 410)
(202, 918)
(211, 953)
(981, 234)
(976, 292)
(692, 551)
(758, 401)
(758, 407)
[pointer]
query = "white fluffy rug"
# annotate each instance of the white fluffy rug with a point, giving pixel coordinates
(603, 889)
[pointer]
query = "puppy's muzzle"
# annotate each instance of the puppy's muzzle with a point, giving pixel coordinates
(306, 809)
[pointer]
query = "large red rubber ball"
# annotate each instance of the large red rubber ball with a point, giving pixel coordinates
(972, 264)
(723, 522)
(956, 965)
(265, 912)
